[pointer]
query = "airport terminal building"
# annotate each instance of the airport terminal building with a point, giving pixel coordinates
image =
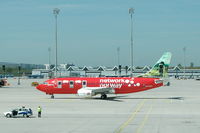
(66, 70)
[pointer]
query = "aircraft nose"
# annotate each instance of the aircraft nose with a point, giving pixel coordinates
(40, 87)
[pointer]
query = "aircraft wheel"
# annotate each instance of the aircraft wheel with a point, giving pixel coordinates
(25, 115)
(52, 96)
(8, 115)
(103, 96)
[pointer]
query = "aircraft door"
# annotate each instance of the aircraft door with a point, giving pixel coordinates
(84, 83)
(71, 84)
(59, 84)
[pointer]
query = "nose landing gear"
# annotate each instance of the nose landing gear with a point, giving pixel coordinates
(103, 96)
(52, 96)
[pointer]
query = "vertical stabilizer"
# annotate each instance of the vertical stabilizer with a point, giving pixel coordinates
(160, 69)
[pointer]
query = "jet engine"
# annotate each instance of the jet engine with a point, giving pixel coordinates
(85, 93)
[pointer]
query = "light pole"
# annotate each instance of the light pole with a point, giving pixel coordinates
(49, 50)
(118, 55)
(4, 70)
(131, 11)
(184, 49)
(56, 12)
(19, 69)
(49, 74)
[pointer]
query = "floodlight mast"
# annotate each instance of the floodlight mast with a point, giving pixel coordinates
(118, 55)
(131, 11)
(49, 50)
(56, 12)
(184, 51)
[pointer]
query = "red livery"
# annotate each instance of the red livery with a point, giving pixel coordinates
(88, 87)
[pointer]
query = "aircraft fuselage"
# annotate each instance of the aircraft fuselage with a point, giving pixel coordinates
(118, 85)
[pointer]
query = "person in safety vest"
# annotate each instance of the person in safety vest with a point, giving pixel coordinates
(39, 111)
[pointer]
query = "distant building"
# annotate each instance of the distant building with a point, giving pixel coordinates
(66, 70)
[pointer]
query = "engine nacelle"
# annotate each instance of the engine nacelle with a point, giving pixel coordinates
(85, 93)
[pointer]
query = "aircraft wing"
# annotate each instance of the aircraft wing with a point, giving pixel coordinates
(92, 91)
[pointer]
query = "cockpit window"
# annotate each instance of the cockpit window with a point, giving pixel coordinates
(45, 83)
(158, 81)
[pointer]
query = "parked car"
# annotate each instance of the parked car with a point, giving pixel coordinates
(3, 82)
(21, 112)
(198, 78)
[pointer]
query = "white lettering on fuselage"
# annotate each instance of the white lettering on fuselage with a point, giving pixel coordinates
(112, 80)
(118, 83)
(110, 85)
(113, 83)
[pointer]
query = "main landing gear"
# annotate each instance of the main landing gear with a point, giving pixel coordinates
(52, 96)
(103, 96)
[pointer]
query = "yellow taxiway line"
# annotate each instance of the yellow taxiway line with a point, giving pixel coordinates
(139, 129)
(138, 108)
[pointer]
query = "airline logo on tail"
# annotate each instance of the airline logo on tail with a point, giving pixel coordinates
(160, 69)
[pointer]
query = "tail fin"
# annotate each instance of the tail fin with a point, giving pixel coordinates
(160, 69)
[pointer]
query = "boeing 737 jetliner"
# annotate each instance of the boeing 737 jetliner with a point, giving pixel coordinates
(88, 87)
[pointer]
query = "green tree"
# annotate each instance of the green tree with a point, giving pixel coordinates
(191, 65)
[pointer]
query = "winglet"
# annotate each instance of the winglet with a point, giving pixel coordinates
(160, 69)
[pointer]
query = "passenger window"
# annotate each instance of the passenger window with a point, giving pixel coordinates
(59, 84)
(84, 83)
(45, 83)
(71, 84)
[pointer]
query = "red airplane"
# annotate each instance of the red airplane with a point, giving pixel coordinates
(88, 87)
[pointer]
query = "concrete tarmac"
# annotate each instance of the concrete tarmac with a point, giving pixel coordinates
(171, 109)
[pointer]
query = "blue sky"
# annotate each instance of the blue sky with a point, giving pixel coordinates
(89, 31)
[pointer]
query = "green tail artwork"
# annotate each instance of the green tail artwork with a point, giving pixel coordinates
(160, 69)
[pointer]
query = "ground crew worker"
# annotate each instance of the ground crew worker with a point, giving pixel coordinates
(39, 111)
